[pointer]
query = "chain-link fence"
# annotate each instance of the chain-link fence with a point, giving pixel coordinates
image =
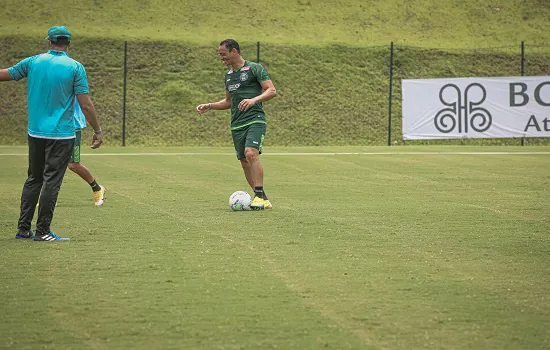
(326, 95)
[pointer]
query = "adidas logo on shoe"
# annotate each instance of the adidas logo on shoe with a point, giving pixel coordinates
(50, 237)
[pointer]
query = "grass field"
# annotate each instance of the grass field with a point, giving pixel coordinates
(443, 23)
(325, 96)
(329, 61)
(377, 251)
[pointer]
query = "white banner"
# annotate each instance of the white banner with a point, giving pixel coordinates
(476, 108)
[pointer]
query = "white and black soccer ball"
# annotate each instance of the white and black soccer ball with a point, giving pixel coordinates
(240, 200)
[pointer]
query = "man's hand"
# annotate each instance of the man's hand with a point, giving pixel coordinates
(5, 75)
(246, 104)
(203, 108)
(97, 140)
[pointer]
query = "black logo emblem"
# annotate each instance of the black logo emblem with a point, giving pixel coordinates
(463, 113)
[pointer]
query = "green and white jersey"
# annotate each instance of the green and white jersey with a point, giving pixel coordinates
(244, 83)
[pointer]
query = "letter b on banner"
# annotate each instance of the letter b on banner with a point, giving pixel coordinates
(513, 93)
(521, 98)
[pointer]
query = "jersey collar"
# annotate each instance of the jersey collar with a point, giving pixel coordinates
(58, 53)
(238, 70)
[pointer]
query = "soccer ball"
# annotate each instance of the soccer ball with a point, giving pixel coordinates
(240, 200)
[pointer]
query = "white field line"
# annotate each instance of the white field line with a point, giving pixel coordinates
(297, 153)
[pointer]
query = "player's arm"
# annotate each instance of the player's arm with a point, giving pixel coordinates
(81, 91)
(17, 72)
(220, 105)
(5, 75)
(268, 92)
(87, 107)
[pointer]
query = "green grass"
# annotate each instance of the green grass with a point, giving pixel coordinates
(444, 23)
(326, 96)
(328, 59)
(401, 251)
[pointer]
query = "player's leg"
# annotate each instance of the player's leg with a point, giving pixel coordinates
(253, 148)
(57, 156)
(255, 168)
(239, 141)
(76, 167)
(247, 174)
(82, 171)
(253, 159)
(86, 175)
(32, 187)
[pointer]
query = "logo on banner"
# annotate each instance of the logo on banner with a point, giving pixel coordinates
(463, 109)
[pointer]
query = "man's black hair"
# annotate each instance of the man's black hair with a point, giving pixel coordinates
(231, 44)
(61, 41)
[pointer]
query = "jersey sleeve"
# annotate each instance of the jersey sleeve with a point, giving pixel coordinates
(79, 117)
(80, 81)
(21, 69)
(260, 73)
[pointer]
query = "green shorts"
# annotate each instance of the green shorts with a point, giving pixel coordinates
(249, 136)
(75, 157)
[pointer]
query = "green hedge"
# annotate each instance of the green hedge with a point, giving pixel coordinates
(326, 96)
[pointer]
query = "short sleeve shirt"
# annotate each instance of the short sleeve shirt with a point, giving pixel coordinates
(54, 80)
(245, 83)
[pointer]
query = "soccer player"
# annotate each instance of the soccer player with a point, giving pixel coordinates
(54, 79)
(247, 85)
(74, 163)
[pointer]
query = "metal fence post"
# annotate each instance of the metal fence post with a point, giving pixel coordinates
(522, 73)
(258, 52)
(124, 94)
(390, 94)
(522, 58)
